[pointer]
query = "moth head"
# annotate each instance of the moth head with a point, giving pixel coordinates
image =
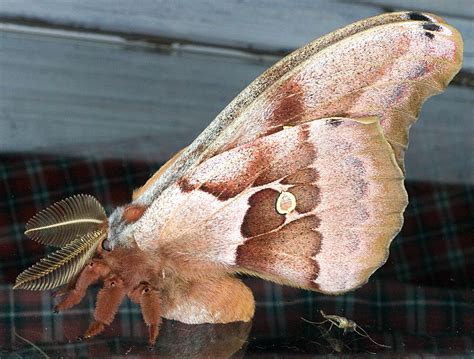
(76, 226)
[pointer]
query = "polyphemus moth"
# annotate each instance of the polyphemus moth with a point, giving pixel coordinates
(299, 180)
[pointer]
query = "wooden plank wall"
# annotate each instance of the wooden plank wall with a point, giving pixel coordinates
(141, 79)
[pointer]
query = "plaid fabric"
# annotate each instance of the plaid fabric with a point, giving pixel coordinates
(421, 301)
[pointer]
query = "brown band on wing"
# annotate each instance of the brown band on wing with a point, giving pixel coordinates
(306, 175)
(288, 105)
(227, 188)
(303, 154)
(133, 213)
(288, 252)
(262, 216)
(185, 185)
(273, 130)
(307, 197)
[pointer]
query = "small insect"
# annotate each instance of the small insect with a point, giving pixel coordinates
(346, 325)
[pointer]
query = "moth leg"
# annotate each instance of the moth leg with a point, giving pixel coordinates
(150, 304)
(91, 273)
(108, 302)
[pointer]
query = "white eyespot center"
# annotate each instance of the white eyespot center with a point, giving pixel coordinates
(286, 203)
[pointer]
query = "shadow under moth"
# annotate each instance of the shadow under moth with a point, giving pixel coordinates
(299, 180)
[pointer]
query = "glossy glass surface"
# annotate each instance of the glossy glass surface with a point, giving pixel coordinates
(95, 113)
(420, 301)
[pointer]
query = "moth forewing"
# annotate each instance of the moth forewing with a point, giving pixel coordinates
(229, 127)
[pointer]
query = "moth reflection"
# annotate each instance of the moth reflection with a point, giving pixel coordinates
(177, 340)
(203, 340)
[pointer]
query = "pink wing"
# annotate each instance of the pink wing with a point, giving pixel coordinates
(348, 199)
(387, 71)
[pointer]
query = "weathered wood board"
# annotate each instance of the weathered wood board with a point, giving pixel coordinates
(263, 26)
(110, 99)
(457, 8)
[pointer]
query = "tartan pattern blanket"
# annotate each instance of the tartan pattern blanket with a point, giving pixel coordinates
(420, 301)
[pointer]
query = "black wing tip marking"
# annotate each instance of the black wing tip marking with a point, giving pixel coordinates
(418, 16)
(431, 26)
